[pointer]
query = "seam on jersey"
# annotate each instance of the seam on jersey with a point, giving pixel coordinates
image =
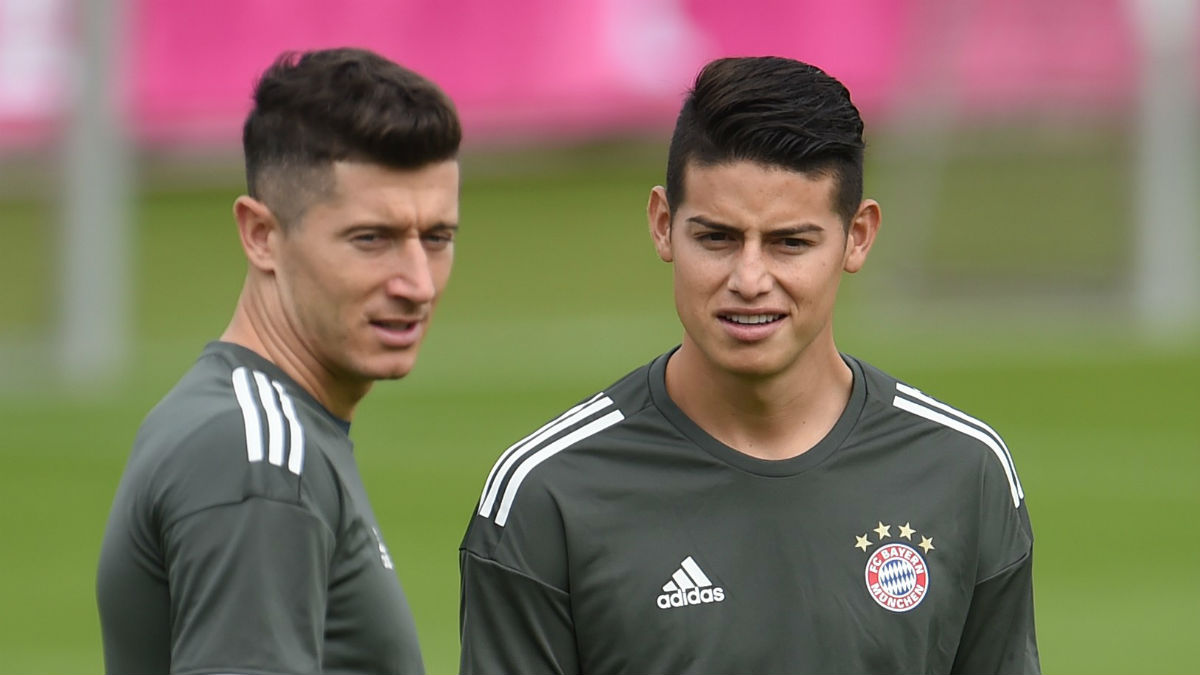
(178, 519)
(1007, 568)
(513, 570)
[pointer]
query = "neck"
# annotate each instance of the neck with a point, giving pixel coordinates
(778, 416)
(259, 325)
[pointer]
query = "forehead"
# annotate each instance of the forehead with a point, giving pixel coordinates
(360, 178)
(751, 191)
(363, 190)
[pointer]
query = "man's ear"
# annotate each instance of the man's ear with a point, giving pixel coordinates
(861, 235)
(658, 213)
(256, 228)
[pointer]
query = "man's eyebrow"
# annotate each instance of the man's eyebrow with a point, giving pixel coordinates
(796, 229)
(788, 231)
(713, 225)
(394, 227)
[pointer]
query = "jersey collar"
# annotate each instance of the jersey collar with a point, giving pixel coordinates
(763, 467)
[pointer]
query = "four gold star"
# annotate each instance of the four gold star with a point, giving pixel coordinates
(885, 531)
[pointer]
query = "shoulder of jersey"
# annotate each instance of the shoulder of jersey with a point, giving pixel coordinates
(968, 432)
(585, 422)
(229, 434)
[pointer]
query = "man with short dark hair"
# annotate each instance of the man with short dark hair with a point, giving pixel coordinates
(241, 539)
(754, 501)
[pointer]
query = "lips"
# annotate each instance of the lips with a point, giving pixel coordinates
(750, 327)
(398, 333)
(395, 324)
(751, 319)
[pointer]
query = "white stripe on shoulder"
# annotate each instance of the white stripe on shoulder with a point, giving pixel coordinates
(514, 483)
(960, 426)
(921, 396)
(274, 419)
(500, 469)
(295, 431)
(245, 399)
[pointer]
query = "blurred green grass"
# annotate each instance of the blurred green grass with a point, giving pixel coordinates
(555, 294)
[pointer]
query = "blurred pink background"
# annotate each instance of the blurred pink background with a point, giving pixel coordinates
(545, 67)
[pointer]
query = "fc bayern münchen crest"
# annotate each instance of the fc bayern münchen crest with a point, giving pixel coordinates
(897, 577)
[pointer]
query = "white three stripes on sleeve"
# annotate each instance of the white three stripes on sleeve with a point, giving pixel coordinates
(520, 458)
(261, 398)
(510, 492)
(936, 411)
(514, 452)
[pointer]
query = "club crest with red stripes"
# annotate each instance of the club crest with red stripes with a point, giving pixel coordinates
(896, 574)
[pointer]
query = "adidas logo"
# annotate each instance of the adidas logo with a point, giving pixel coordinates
(689, 586)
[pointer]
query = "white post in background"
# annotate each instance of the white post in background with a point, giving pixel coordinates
(1167, 281)
(94, 282)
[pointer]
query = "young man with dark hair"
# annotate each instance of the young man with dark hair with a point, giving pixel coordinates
(754, 501)
(241, 539)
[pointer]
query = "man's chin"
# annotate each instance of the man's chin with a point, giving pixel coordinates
(377, 364)
(389, 371)
(751, 366)
(383, 374)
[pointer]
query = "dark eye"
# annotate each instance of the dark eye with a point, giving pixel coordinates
(438, 239)
(796, 243)
(713, 236)
(369, 240)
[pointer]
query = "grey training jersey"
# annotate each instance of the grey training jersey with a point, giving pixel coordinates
(241, 540)
(621, 538)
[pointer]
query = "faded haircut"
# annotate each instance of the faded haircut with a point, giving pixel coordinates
(315, 108)
(774, 111)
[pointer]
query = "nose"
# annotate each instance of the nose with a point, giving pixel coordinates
(411, 275)
(749, 277)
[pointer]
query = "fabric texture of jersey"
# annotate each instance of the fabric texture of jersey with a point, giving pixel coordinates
(622, 538)
(241, 539)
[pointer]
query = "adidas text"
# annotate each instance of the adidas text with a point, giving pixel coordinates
(695, 596)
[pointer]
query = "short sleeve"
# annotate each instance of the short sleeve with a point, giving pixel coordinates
(515, 611)
(1005, 533)
(248, 588)
(999, 634)
(511, 623)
